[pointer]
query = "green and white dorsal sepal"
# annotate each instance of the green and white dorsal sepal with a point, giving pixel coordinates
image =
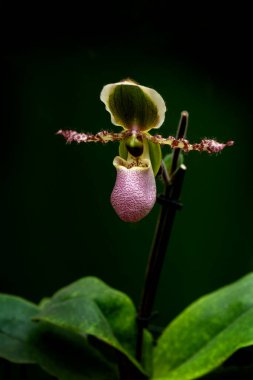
(133, 106)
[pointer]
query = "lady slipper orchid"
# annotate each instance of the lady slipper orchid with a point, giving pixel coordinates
(137, 109)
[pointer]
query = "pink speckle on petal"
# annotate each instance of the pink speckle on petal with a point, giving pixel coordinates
(134, 193)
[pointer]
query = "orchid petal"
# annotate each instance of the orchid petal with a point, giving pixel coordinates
(103, 136)
(205, 145)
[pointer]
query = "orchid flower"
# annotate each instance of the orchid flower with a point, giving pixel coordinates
(137, 109)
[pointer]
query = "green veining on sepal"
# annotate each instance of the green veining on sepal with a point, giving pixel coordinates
(131, 106)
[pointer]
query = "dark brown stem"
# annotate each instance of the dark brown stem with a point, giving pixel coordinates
(170, 204)
(181, 133)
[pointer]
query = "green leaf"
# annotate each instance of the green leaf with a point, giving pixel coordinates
(147, 351)
(87, 331)
(206, 333)
(16, 329)
(89, 307)
(62, 355)
(66, 356)
(168, 161)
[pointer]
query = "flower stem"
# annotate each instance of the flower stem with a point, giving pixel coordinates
(181, 133)
(170, 204)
